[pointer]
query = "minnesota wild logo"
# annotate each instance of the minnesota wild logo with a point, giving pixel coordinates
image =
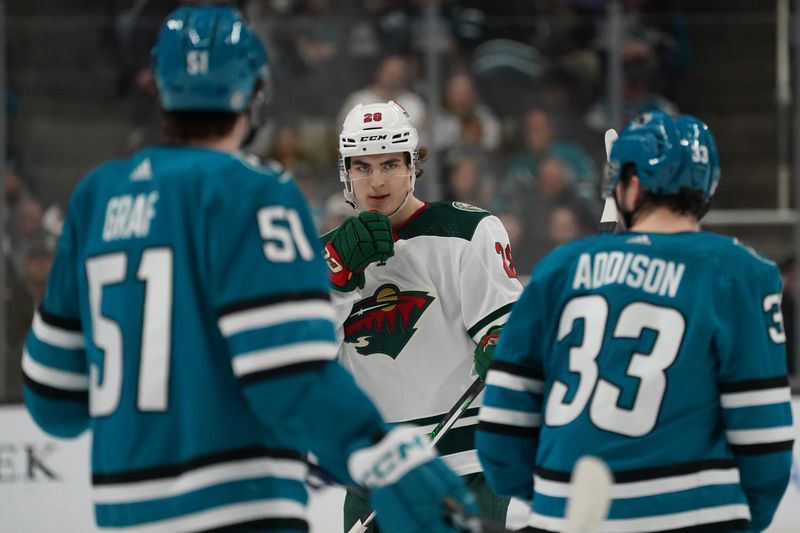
(384, 322)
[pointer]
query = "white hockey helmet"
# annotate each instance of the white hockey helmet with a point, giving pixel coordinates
(371, 129)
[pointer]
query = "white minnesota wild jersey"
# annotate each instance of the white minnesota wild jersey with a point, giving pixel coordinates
(410, 335)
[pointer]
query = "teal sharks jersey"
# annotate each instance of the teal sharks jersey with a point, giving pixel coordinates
(664, 355)
(187, 323)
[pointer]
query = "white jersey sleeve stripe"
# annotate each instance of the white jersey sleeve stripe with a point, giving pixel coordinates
(510, 417)
(499, 378)
(55, 336)
(650, 487)
(756, 398)
(760, 435)
(281, 356)
(53, 377)
(200, 478)
(271, 315)
(695, 517)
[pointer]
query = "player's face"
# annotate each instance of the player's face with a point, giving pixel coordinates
(380, 181)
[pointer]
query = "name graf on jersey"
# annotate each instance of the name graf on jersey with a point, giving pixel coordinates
(129, 216)
(653, 275)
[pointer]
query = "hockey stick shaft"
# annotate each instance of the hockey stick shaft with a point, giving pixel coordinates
(590, 491)
(436, 435)
(608, 220)
(461, 405)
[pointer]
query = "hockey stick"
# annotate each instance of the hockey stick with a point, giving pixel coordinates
(455, 412)
(436, 435)
(589, 496)
(608, 220)
(586, 509)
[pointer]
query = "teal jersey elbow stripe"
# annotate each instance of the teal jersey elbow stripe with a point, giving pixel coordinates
(642, 474)
(55, 393)
(754, 384)
(54, 331)
(166, 471)
(70, 324)
(694, 497)
(288, 370)
(272, 299)
(258, 315)
(761, 449)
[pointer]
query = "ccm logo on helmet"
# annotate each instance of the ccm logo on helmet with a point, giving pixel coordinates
(372, 138)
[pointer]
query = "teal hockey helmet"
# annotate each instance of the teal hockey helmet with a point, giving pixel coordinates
(669, 154)
(207, 59)
(700, 169)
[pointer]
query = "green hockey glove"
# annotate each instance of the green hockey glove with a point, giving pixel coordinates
(359, 241)
(484, 351)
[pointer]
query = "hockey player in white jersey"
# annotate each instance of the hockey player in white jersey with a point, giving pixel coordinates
(422, 290)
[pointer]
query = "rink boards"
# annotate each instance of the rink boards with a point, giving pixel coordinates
(44, 482)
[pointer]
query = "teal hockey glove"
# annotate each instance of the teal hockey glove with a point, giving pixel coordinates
(484, 351)
(409, 483)
(359, 241)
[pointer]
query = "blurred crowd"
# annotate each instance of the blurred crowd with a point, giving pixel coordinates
(520, 126)
(518, 130)
(31, 231)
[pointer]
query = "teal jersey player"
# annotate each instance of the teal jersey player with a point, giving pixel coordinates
(187, 323)
(659, 349)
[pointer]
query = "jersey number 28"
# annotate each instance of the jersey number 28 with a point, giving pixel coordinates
(602, 395)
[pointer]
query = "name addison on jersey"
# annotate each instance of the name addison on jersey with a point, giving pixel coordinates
(384, 322)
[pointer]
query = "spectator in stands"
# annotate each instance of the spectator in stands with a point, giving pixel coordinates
(136, 28)
(542, 142)
(286, 149)
(319, 36)
(467, 183)
(470, 171)
(537, 209)
(38, 260)
(26, 225)
(661, 26)
(564, 226)
(639, 70)
(24, 291)
(391, 82)
(462, 104)
(16, 190)
(19, 313)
